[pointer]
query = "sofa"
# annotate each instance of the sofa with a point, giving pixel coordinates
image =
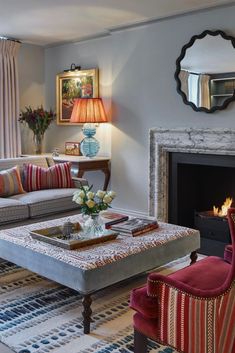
(34, 206)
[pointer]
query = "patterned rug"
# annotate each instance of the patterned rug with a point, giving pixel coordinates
(41, 316)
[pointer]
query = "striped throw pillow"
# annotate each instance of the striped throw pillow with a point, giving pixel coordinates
(10, 182)
(38, 178)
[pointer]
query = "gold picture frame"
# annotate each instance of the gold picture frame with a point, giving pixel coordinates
(72, 148)
(70, 86)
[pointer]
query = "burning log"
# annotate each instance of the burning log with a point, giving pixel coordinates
(224, 208)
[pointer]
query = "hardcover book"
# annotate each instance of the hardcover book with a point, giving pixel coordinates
(136, 226)
(111, 218)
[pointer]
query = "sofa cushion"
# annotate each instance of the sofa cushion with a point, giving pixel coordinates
(57, 176)
(10, 182)
(48, 201)
(12, 210)
(7, 163)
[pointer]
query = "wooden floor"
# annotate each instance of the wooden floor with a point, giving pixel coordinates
(4, 349)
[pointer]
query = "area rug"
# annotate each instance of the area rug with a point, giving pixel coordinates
(41, 316)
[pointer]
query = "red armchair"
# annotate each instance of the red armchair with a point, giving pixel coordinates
(191, 310)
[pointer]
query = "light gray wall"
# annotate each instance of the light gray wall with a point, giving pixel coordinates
(143, 92)
(145, 96)
(90, 54)
(31, 85)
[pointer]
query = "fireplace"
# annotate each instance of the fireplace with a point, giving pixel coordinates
(190, 171)
(196, 183)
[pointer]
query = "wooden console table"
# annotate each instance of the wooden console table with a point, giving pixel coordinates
(84, 164)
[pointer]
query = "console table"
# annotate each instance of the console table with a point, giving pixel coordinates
(83, 164)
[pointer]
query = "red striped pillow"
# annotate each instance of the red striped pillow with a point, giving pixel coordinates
(38, 178)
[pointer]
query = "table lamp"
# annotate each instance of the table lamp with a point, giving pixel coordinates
(89, 111)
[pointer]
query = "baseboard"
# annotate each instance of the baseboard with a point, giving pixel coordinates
(130, 212)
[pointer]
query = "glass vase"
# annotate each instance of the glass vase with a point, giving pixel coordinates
(93, 227)
(38, 139)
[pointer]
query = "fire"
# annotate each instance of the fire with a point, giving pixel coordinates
(224, 208)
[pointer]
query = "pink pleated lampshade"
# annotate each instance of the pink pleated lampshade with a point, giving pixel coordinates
(88, 110)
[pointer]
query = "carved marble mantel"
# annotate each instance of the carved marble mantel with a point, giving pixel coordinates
(164, 141)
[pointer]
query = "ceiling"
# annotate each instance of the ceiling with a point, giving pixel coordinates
(210, 55)
(51, 22)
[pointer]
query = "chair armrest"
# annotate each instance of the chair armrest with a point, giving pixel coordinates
(79, 181)
(228, 253)
(190, 281)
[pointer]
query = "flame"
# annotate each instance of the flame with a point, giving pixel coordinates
(224, 208)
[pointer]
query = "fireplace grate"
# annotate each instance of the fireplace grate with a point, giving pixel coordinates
(214, 232)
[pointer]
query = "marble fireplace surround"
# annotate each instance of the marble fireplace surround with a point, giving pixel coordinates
(164, 141)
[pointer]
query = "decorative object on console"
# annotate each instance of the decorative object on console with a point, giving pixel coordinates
(72, 85)
(38, 121)
(56, 152)
(89, 111)
(205, 71)
(72, 148)
(38, 178)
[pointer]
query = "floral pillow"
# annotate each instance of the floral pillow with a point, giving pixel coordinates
(38, 178)
(10, 182)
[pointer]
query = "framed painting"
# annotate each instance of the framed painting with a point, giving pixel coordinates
(70, 86)
(72, 148)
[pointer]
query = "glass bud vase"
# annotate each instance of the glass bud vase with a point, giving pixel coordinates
(37, 139)
(93, 227)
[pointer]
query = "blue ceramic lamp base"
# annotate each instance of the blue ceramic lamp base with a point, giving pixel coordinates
(89, 145)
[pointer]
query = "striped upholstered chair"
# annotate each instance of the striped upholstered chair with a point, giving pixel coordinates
(191, 310)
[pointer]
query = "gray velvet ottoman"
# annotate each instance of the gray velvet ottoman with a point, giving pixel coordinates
(92, 268)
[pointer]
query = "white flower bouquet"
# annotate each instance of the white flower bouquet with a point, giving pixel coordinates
(91, 202)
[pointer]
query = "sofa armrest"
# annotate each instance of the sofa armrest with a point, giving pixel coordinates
(79, 181)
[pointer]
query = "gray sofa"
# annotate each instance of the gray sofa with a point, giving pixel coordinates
(36, 205)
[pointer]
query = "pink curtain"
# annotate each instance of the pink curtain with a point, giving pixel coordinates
(10, 141)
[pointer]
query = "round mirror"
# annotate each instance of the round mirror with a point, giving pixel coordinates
(205, 71)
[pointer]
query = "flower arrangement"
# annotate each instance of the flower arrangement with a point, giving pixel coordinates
(38, 119)
(91, 202)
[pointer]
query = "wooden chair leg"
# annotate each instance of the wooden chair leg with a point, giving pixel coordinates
(140, 342)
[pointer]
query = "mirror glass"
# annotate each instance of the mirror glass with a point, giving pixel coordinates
(206, 71)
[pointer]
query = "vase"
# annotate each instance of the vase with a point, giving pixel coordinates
(37, 139)
(93, 227)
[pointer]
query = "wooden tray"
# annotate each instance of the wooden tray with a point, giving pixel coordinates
(54, 236)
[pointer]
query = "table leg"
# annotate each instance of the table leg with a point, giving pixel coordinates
(193, 257)
(86, 302)
(80, 173)
(106, 172)
(140, 342)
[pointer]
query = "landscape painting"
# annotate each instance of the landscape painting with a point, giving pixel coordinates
(72, 85)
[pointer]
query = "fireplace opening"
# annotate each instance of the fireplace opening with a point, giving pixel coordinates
(197, 182)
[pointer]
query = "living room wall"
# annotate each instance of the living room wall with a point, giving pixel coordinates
(31, 85)
(138, 65)
(90, 54)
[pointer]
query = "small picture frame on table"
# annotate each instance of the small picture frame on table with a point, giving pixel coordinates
(72, 148)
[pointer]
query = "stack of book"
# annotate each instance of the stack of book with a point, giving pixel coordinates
(111, 218)
(136, 226)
